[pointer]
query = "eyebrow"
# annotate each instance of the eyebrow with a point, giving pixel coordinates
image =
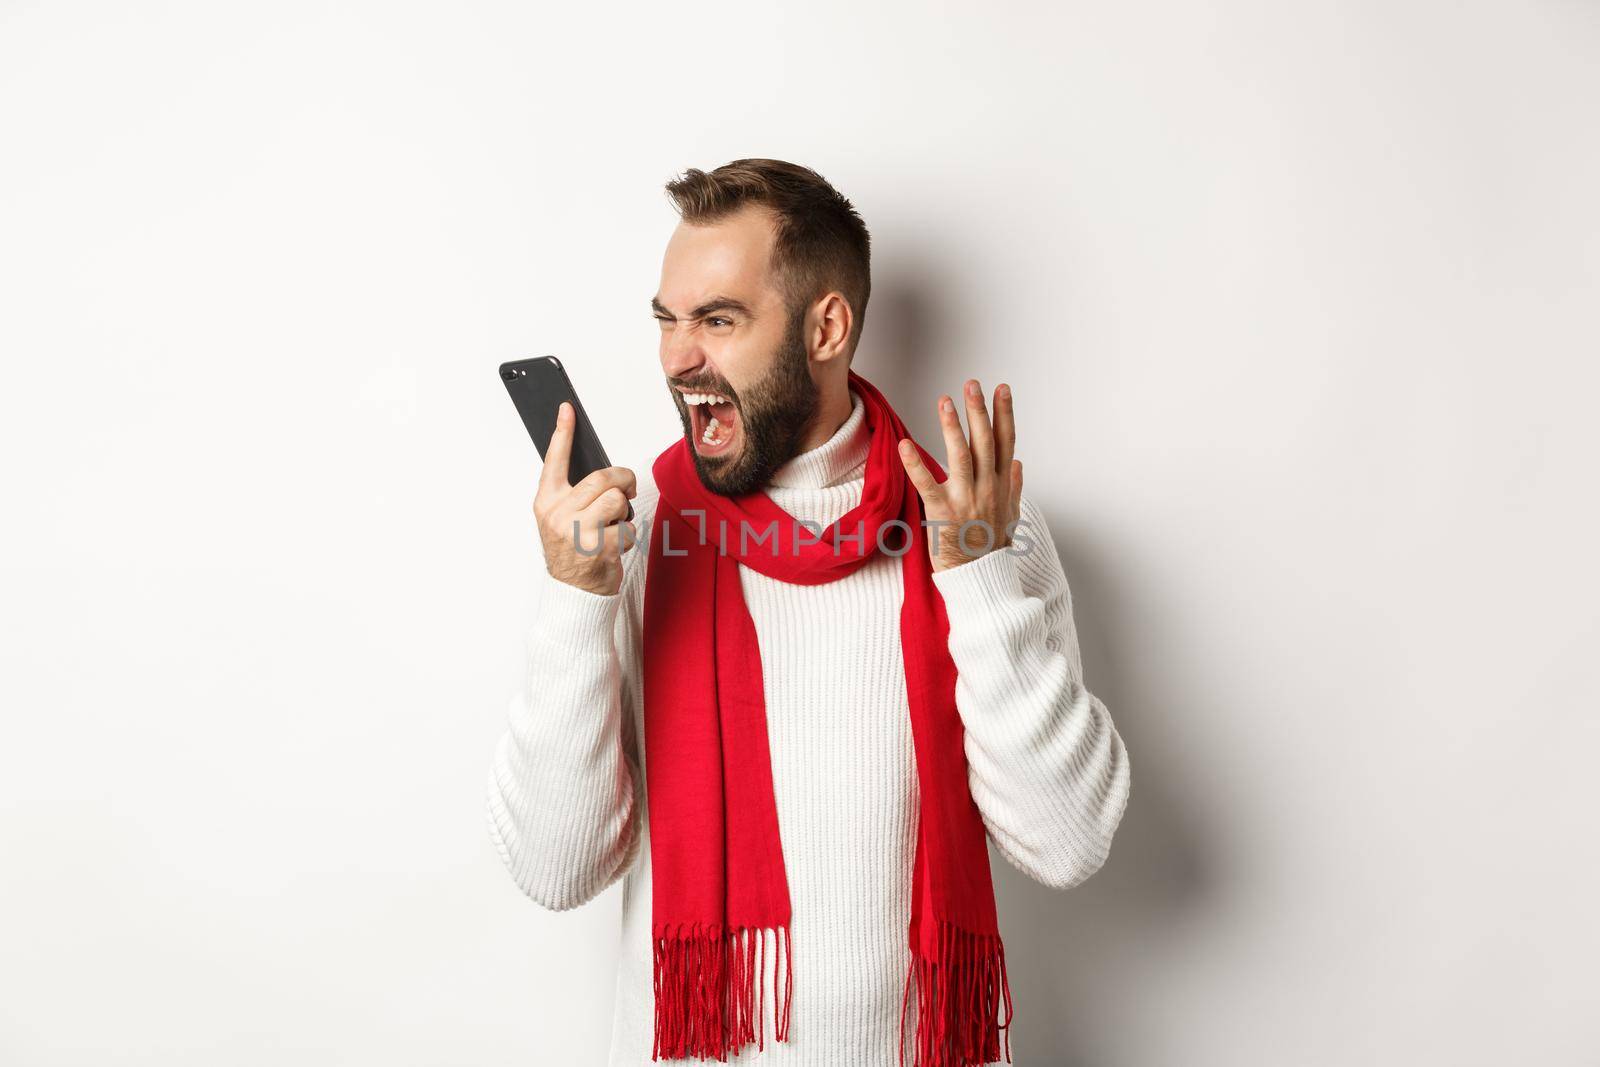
(716, 303)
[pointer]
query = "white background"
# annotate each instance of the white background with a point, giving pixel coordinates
(1299, 305)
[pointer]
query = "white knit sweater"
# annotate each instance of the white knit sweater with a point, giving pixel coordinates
(1049, 773)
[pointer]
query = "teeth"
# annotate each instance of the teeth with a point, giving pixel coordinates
(704, 398)
(710, 435)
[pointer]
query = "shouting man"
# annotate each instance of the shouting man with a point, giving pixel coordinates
(792, 700)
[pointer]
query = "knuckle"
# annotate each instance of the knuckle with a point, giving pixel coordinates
(563, 522)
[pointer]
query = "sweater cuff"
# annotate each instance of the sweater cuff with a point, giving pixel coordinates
(989, 580)
(574, 618)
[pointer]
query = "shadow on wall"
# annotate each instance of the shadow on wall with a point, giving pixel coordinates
(1060, 946)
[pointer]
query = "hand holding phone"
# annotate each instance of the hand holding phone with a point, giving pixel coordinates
(582, 501)
(582, 525)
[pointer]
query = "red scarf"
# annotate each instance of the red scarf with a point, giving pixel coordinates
(720, 893)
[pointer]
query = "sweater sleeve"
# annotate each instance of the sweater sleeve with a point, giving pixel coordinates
(1046, 765)
(563, 808)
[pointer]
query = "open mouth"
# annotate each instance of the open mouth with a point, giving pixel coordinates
(713, 422)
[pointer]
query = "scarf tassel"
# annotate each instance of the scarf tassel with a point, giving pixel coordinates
(709, 989)
(959, 993)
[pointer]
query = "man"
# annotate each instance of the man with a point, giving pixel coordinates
(791, 739)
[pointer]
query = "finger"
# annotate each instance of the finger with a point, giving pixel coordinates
(630, 538)
(594, 483)
(958, 458)
(615, 542)
(982, 436)
(558, 451)
(1016, 489)
(927, 485)
(1005, 432)
(610, 506)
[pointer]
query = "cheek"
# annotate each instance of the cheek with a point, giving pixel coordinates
(742, 360)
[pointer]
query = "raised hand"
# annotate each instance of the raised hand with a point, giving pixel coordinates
(981, 496)
(594, 511)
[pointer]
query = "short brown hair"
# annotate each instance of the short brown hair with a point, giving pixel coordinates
(821, 243)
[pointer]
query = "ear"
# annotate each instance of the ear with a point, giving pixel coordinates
(828, 325)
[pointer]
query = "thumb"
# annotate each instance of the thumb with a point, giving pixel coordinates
(928, 487)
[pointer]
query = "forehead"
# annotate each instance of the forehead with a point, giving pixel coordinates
(730, 256)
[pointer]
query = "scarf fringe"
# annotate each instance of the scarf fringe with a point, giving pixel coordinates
(709, 993)
(959, 993)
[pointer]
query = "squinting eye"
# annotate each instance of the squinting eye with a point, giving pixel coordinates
(716, 321)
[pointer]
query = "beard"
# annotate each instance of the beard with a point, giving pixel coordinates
(774, 415)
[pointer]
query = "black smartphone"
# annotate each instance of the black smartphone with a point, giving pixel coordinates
(537, 388)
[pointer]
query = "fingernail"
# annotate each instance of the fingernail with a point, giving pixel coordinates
(946, 404)
(974, 390)
(1005, 392)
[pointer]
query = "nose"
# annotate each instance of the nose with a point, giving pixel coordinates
(681, 354)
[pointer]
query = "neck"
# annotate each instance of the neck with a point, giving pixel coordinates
(832, 409)
(835, 461)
